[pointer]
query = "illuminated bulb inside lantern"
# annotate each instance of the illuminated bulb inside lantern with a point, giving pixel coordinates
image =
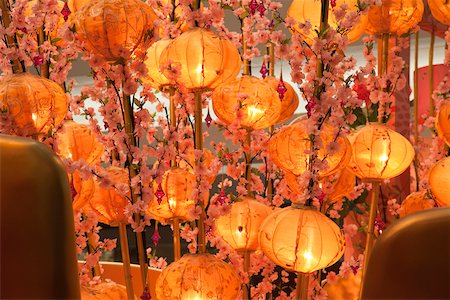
(69, 155)
(254, 113)
(172, 203)
(191, 295)
(34, 117)
(383, 158)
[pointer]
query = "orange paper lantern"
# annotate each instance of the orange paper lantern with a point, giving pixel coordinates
(34, 104)
(394, 16)
(155, 76)
(82, 192)
(112, 28)
(439, 179)
(258, 101)
(198, 276)
(77, 141)
(290, 100)
(303, 10)
(379, 152)
(342, 184)
(443, 122)
(205, 59)
(107, 203)
(345, 288)
(177, 185)
(440, 9)
(287, 149)
(103, 291)
(416, 201)
(301, 239)
(76, 5)
(240, 226)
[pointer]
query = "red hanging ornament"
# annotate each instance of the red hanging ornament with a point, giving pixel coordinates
(261, 8)
(281, 89)
(253, 5)
(156, 237)
(264, 71)
(159, 194)
(65, 11)
(208, 118)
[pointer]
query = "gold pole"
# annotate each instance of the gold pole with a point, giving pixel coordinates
(246, 287)
(430, 72)
(383, 63)
(176, 221)
(371, 226)
(6, 18)
(416, 89)
(129, 129)
(302, 286)
(198, 138)
(45, 68)
(271, 128)
(126, 260)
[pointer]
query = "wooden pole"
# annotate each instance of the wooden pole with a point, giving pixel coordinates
(271, 128)
(6, 20)
(416, 89)
(126, 260)
(302, 286)
(91, 247)
(176, 221)
(375, 194)
(129, 129)
(246, 287)
(383, 64)
(198, 139)
(430, 71)
(45, 68)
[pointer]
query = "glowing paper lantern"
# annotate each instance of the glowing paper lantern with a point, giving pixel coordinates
(177, 184)
(205, 59)
(104, 290)
(416, 201)
(258, 101)
(440, 9)
(112, 28)
(443, 122)
(439, 179)
(198, 276)
(287, 149)
(379, 152)
(155, 76)
(240, 226)
(107, 202)
(290, 100)
(301, 239)
(394, 16)
(34, 104)
(345, 288)
(82, 192)
(303, 10)
(77, 141)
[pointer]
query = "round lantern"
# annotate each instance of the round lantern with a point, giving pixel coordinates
(82, 192)
(301, 239)
(440, 9)
(111, 28)
(240, 226)
(77, 141)
(439, 179)
(379, 152)
(177, 185)
(198, 276)
(34, 104)
(205, 59)
(257, 100)
(416, 201)
(290, 100)
(155, 76)
(104, 290)
(394, 16)
(287, 149)
(76, 5)
(345, 288)
(303, 10)
(107, 203)
(443, 122)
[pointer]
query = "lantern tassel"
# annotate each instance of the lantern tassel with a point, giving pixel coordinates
(371, 226)
(126, 260)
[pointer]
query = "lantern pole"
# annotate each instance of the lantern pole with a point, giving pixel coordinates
(375, 193)
(430, 72)
(271, 128)
(176, 221)
(198, 143)
(129, 129)
(6, 20)
(45, 68)
(91, 247)
(126, 259)
(302, 286)
(416, 89)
